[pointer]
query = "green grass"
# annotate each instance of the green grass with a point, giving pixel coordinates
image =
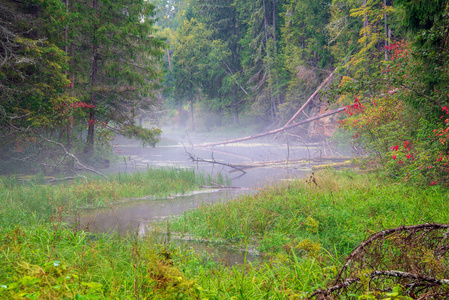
(307, 230)
(339, 213)
(22, 202)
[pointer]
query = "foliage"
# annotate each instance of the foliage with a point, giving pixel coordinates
(50, 64)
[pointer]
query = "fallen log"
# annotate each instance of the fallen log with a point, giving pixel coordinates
(308, 101)
(213, 161)
(332, 112)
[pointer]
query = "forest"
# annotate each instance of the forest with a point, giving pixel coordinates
(257, 62)
(76, 73)
(77, 77)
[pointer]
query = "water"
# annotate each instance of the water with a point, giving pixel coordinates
(176, 151)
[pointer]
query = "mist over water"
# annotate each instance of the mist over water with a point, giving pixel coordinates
(176, 150)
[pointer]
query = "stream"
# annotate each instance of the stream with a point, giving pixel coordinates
(136, 216)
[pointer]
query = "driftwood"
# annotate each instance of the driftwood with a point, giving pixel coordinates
(307, 102)
(329, 113)
(303, 161)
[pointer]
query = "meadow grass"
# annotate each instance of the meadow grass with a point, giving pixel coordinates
(307, 230)
(20, 202)
(338, 213)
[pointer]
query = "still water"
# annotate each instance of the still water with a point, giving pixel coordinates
(136, 215)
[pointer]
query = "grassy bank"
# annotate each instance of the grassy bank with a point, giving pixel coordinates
(25, 201)
(306, 228)
(338, 212)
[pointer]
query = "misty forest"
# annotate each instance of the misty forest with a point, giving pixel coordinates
(224, 149)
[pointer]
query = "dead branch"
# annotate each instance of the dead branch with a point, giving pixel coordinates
(73, 156)
(213, 161)
(400, 274)
(332, 112)
(218, 186)
(326, 292)
(419, 281)
(382, 235)
(415, 257)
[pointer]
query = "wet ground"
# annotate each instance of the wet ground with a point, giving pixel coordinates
(176, 150)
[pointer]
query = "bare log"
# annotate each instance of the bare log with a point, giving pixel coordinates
(213, 161)
(332, 112)
(308, 101)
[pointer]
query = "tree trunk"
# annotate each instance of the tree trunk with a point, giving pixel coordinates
(93, 101)
(191, 115)
(69, 126)
(236, 106)
(329, 113)
(270, 79)
(323, 84)
(386, 32)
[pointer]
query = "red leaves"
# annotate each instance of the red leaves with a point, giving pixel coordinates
(406, 144)
(446, 109)
(82, 105)
(357, 107)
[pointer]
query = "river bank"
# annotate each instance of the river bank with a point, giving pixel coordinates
(305, 230)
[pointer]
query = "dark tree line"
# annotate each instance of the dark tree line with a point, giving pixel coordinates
(73, 72)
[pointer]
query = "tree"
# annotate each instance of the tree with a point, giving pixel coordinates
(260, 56)
(32, 75)
(120, 55)
(108, 51)
(223, 19)
(305, 49)
(195, 55)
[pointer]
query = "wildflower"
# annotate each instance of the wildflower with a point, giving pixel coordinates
(401, 162)
(395, 148)
(394, 156)
(409, 156)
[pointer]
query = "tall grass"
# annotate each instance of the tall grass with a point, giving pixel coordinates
(21, 201)
(337, 214)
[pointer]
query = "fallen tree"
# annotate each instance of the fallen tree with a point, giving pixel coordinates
(308, 101)
(329, 113)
